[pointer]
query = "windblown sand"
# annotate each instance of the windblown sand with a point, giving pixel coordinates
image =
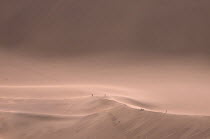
(130, 54)
(101, 116)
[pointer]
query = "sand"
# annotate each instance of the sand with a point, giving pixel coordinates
(132, 55)
(94, 117)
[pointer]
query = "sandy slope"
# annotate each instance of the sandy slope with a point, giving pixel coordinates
(158, 49)
(95, 117)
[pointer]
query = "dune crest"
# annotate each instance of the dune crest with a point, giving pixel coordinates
(104, 69)
(119, 119)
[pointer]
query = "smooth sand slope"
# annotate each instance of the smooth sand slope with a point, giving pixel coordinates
(97, 117)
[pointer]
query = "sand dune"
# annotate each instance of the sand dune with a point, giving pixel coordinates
(96, 117)
(73, 106)
(131, 55)
(132, 102)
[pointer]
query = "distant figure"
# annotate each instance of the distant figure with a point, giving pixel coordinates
(141, 109)
(92, 95)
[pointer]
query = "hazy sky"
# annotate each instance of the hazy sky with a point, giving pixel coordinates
(55, 41)
(69, 27)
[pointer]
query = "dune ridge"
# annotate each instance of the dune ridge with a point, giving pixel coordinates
(110, 118)
(104, 69)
